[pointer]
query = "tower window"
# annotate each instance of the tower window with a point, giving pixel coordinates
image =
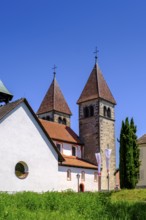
(69, 175)
(91, 111)
(64, 121)
(109, 113)
(105, 111)
(60, 120)
(48, 118)
(73, 151)
(86, 112)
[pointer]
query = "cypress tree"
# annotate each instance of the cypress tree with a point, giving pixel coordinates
(129, 155)
(136, 152)
(122, 157)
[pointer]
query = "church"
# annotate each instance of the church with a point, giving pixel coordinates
(40, 152)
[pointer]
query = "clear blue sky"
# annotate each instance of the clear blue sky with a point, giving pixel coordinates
(36, 34)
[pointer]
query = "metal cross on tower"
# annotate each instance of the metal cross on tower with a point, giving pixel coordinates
(96, 52)
(54, 68)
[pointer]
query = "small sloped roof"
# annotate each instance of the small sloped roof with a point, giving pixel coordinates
(60, 132)
(96, 87)
(5, 109)
(73, 161)
(54, 100)
(142, 139)
(5, 95)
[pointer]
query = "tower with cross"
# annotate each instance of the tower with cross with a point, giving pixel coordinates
(54, 106)
(97, 121)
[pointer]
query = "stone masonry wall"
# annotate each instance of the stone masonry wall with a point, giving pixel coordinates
(89, 131)
(98, 133)
(107, 140)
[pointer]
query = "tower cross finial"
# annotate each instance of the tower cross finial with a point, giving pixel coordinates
(54, 68)
(96, 52)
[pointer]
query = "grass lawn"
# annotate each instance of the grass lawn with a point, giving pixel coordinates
(123, 204)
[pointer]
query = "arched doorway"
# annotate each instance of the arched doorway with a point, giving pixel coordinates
(82, 188)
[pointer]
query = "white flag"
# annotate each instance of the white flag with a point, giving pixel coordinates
(98, 159)
(107, 154)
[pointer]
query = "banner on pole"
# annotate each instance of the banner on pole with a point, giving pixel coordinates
(98, 159)
(107, 154)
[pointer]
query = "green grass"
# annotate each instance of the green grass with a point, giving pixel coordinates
(124, 204)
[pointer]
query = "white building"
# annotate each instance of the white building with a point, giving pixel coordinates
(40, 152)
(30, 161)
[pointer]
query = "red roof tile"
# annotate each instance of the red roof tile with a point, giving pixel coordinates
(54, 100)
(96, 87)
(60, 132)
(77, 162)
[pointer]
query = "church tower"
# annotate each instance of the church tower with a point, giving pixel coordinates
(54, 107)
(97, 122)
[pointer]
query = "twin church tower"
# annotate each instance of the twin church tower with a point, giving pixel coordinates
(96, 118)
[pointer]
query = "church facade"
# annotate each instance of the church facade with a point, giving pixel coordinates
(44, 153)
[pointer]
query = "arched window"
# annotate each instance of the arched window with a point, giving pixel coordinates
(48, 118)
(105, 111)
(109, 113)
(95, 176)
(73, 151)
(64, 121)
(91, 111)
(60, 120)
(69, 175)
(82, 176)
(21, 170)
(86, 112)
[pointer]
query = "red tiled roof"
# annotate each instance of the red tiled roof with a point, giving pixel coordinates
(54, 100)
(60, 132)
(96, 87)
(142, 140)
(77, 162)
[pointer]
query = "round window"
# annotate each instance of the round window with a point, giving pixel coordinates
(21, 170)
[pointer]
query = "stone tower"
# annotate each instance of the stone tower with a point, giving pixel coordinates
(97, 123)
(54, 107)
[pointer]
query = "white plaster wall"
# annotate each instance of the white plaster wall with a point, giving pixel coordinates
(22, 139)
(89, 183)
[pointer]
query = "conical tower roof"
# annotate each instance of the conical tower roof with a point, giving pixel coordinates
(96, 87)
(5, 95)
(54, 100)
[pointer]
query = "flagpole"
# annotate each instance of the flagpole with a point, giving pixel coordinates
(99, 182)
(108, 176)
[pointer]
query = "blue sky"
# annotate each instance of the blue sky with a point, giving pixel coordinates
(36, 34)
